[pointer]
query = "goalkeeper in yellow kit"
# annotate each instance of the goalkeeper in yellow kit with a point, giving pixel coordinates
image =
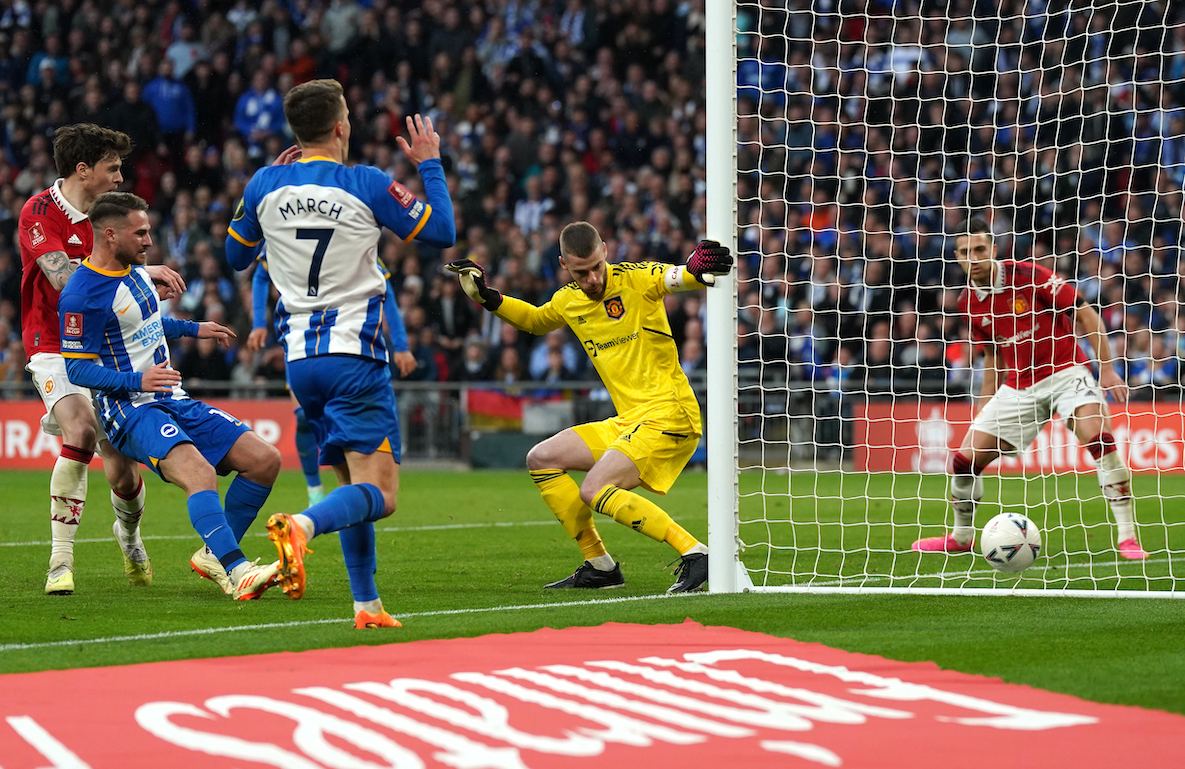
(616, 310)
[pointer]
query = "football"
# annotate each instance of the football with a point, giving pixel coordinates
(1010, 542)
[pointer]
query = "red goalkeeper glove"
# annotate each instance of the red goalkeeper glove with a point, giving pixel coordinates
(708, 260)
(473, 283)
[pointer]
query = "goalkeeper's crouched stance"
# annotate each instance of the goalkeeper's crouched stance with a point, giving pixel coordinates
(617, 312)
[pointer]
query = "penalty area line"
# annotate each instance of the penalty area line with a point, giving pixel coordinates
(310, 622)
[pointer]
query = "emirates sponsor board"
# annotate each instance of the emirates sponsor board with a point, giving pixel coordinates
(614, 695)
(23, 445)
(918, 436)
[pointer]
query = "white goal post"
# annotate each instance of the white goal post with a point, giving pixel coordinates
(840, 371)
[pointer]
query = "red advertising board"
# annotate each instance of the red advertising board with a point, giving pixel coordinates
(917, 436)
(23, 446)
(615, 695)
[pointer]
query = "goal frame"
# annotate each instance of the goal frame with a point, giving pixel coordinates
(726, 572)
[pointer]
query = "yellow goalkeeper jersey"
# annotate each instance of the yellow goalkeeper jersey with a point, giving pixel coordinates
(626, 335)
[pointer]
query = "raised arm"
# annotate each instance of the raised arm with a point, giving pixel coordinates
(522, 315)
(1096, 334)
(424, 151)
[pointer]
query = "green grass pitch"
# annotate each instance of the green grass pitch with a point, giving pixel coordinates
(467, 553)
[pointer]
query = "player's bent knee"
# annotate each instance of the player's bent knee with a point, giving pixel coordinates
(270, 461)
(589, 490)
(389, 503)
(82, 435)
(539, 458)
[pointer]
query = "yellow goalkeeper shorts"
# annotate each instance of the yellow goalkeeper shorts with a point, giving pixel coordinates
(660, 447)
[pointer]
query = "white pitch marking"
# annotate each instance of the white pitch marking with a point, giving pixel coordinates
(341, 620)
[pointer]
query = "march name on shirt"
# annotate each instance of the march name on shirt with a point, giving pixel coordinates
(298, 206)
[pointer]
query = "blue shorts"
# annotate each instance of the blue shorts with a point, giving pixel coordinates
(349, 404)
(150, 432)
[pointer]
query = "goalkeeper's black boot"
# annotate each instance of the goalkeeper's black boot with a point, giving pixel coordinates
(589, 576)
(691, 574)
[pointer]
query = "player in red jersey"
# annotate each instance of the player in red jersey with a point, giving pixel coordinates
(1023, 317)
(55, 236)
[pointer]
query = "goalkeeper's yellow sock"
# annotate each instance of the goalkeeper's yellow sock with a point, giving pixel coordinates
(562, 495)
(640, 514)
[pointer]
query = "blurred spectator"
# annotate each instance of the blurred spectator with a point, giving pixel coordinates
(259, 113)
(473, 366)
(135, 117)
(554, 342)
(170, 99)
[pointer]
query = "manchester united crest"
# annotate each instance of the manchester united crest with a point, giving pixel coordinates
(1020, 305)
(615, 308)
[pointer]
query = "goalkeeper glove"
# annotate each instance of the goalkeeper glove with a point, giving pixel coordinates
(473, 283)
(708, 260)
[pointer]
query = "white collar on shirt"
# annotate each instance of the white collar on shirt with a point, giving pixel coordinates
(997, 283)
(55, 192)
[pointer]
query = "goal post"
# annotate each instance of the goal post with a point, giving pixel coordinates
(839, 367)
(726, 572)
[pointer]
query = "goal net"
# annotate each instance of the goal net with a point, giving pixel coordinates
(857, 135)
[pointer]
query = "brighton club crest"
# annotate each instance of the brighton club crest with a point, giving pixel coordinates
(615, 308)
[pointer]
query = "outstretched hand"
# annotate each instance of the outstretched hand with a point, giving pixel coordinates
(708, 260)
(473, 283)
(425, 142)
(211, 330)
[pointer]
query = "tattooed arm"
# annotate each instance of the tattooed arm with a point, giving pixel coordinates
(57, 268)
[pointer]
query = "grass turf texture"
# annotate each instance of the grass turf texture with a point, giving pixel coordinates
(447, 572)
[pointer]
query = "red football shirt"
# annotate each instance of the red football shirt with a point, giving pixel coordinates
(1028, 314)
(47, 223)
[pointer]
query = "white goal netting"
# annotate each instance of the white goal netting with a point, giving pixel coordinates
(865, 132)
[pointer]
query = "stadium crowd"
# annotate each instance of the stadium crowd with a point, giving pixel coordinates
(867, 128)
(1063, 121)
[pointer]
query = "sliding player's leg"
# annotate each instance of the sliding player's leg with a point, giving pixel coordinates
(548, 463)
(185, 467)
(183, 441)
(256, 464)
(1092, 426)
(127, 500)
(647, 454)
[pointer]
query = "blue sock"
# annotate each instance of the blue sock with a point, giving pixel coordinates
(306, 447)
(205, 512)
(361, 562)
(346, 506)
(243, 500)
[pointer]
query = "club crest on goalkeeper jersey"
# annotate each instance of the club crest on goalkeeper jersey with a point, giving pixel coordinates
(626, 334)
(114, 318)
(322, 222)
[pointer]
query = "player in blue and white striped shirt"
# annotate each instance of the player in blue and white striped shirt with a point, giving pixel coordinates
(322, 220)
(113, 340)
(306, 442)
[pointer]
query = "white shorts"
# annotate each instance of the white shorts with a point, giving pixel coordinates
(1016, 416)
(49, 375)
